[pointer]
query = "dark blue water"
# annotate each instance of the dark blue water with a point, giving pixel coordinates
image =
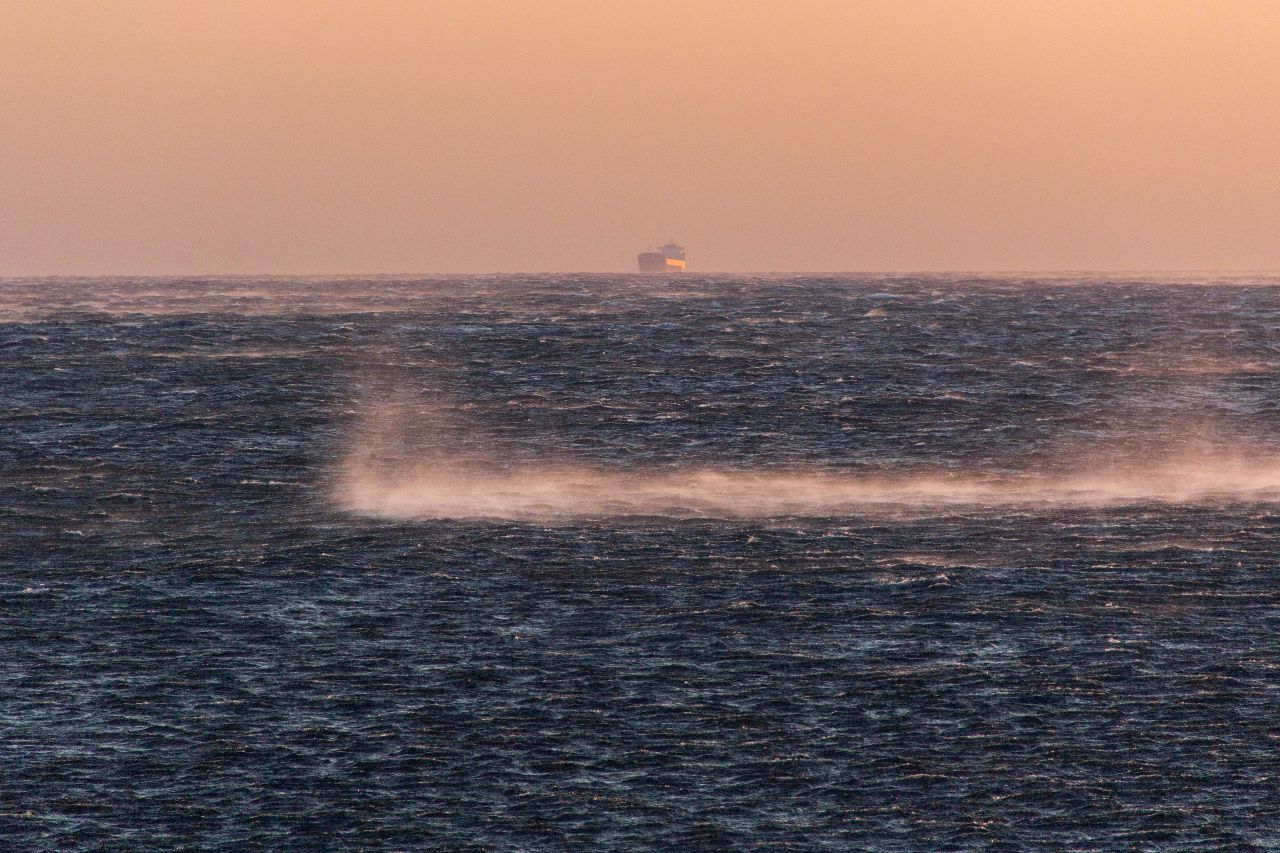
(205, 644)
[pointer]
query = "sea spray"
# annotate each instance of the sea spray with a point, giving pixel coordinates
(445, 488)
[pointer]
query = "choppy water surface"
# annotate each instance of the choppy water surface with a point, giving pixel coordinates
(589, 563)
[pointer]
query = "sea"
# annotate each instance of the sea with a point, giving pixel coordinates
(624, 563)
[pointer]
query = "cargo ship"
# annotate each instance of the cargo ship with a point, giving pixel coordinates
(668, 258)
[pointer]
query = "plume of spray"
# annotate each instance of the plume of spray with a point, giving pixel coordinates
(415, 461)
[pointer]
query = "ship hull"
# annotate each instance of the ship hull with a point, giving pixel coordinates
(656, 262)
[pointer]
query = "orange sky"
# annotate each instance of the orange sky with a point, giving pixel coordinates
(163, 136)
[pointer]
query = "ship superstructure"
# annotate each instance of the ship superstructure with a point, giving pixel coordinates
(667, 259)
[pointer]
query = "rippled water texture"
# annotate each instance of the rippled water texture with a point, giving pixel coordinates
(591, 563)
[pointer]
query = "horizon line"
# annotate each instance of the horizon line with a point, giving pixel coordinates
(663, 276)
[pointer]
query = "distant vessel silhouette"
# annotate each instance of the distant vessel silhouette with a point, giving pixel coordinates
(668, 258)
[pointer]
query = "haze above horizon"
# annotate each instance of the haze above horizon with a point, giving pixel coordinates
(281, 136)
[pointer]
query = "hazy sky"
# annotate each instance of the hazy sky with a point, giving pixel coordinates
(472, 136)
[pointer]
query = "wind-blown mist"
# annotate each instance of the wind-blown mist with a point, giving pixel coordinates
(380, 477)
(442, 490)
